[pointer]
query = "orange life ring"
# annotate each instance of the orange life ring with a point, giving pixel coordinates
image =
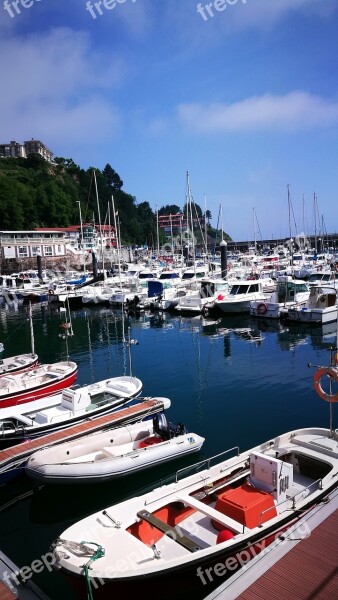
(329, 372)
(262, 308)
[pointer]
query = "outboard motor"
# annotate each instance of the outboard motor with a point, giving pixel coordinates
(161, 426)
(166, 429)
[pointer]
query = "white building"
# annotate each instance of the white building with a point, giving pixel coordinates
(29, 244)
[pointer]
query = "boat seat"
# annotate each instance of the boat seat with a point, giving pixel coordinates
(120, 450)
(171, 531)
(212, 513)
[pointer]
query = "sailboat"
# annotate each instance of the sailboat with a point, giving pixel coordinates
(21, 362)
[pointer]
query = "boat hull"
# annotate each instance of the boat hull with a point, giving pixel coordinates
(13, 366)
(36, 392)
(116, 468)
(200, 576)
(32, 431)
(216, 520)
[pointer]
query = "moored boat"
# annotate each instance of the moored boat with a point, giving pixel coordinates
(320, 308)
(62, 410)
(168, 540)
(21, 362)
(17, 364)
(44, 380)
(289, 292)
(113, 454)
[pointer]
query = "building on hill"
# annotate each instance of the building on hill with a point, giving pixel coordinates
(14, 149)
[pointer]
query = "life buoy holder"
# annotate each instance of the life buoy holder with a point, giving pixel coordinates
(330, 372)
(262, 308)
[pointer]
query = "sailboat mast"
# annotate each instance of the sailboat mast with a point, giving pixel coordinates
(291, 240)
(99, 215)
(82, 241)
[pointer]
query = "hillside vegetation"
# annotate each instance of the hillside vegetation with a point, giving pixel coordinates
(35, 193)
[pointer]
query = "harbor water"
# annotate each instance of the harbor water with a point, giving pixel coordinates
(236, 381)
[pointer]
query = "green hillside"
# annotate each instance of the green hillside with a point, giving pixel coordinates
(35, 193)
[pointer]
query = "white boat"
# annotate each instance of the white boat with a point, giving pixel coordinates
(238, 299)
(172, 538)
(327, 278)
(289, 292)
(67, 408)
(321, 307)
(210, 289)
(44, 380)
(21, 362)
(114, 453)
(17, 364)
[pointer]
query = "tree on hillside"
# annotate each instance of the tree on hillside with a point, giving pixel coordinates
(113, 179)
(208, 216)
(169, 209)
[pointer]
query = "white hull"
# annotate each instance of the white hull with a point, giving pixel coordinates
(64, 409)
(314, 315)
(208, 517)
(109, 455)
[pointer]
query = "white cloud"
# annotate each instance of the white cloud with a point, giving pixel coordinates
(265, 13)
(55, 87)
(294, 111)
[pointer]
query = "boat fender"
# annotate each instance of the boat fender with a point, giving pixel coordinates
(224, 536)
(330, 372)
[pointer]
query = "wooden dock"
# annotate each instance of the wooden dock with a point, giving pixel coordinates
(11, 588)
(300, 565)
(17, 455)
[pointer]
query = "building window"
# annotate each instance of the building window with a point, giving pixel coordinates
(23, 251)
(59, 249)
(36, 250)
(48, 251)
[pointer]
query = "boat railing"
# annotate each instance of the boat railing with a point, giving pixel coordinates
(318, 482)
(206, 461)
(11, 427)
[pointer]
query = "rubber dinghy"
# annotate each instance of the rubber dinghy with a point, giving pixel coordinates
(114, 453)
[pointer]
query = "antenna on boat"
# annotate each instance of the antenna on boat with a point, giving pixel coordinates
(66, 325)
(130, 343)
(31, 328)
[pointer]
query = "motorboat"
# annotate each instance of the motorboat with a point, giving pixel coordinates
(44, 380)
(238, 299)
(209, 522)
(70, 406)
(21, 362)
(113, 453)
(210, 289)
(327, 277)
(321, 307)
(18, 364)
(289, 292)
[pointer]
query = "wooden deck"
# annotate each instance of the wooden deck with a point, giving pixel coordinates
(5, 592)
(129, 414)
(9, 587)
(294, 567)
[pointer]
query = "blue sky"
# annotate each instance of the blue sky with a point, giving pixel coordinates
(244, 98)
